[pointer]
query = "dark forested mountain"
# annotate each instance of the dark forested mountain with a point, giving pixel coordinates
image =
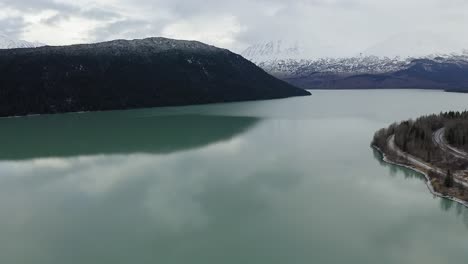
(125, 74)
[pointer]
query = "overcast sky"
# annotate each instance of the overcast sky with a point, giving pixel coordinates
(327, 26)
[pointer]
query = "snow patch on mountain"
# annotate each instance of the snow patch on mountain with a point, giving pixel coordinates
(280, 50)
(342, 66)
(285, 59)
(9, 43)
(291, 58)
(153, 44)
(274, 50)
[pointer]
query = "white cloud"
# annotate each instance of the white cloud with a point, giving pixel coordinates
(346, 26)
(223, 33)
(69, 31)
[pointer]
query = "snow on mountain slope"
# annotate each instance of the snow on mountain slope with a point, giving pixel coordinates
(282, 59)
(9, 43)
(274, 50)
(287, 59)
(280, 50)
(342, 66)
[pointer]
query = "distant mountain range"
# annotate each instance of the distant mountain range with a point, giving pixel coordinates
(447, 71)
(10, 43)
(124, 74)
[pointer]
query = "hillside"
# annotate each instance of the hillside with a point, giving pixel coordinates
(124, 74)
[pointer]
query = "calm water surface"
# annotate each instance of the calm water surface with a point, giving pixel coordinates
(282, 181)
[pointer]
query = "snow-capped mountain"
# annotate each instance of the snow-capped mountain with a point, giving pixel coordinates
(281, 50)
(9, 43)
(273, 51)
(289, 59)
(344, 66)
(381, 66)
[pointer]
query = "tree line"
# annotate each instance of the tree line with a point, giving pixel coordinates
(416, 137)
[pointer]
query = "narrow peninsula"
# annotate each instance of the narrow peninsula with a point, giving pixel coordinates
(435, 145)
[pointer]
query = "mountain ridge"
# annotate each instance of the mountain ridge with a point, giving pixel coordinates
(369, 71)
(124, 74)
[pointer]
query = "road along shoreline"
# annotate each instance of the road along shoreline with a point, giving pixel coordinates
(439, 140)
(422, 170)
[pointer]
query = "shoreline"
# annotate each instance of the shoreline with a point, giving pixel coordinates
(428, 181)
(165, 107)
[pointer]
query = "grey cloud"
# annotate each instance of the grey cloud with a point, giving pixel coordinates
(37, 5)
(64, 9)
(94, 13)
(99, 14)
(127, 28)
(53, 20)
(349, 25)
(12, 26)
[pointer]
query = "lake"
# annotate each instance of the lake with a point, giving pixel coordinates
(281, 181)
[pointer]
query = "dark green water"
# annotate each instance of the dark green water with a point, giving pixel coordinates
(282, 181)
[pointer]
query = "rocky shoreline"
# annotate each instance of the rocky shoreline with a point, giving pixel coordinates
(429, 180)
(435, 145)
